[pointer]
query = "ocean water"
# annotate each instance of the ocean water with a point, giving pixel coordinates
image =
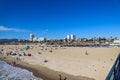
(8, 72)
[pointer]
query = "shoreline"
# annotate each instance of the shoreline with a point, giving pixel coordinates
(44, 72)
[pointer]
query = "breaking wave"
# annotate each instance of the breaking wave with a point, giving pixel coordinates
(8, 72)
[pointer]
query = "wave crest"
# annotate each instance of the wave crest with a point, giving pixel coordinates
(8, 72)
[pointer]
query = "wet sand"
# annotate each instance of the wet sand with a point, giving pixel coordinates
(44, 72)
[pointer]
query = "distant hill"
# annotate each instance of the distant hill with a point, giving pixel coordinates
(8, 40)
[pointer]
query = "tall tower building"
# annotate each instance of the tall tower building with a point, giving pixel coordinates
(71, 37)
(68, 37)
(31, 37)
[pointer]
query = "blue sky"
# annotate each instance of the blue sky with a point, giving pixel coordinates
(57, 18)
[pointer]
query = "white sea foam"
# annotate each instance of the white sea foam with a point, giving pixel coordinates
(8, 72)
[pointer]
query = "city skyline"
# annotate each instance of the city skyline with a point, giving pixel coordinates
(56, 18)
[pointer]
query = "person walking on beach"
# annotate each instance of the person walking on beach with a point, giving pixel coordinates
(14, 63)
(60, 77)
(65, 78)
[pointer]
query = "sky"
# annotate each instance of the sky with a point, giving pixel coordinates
(54, 19)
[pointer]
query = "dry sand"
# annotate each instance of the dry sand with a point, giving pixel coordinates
(75, 63)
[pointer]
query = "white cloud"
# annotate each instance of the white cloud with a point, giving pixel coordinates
(3, 28)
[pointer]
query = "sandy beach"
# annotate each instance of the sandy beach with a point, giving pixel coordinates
(72, 63)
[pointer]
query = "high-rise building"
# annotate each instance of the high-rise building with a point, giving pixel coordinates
(31, 37)
(71, 37)
(68, 37)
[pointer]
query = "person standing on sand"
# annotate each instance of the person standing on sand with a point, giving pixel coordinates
(65, 78)
(13, 63)
(60, 77)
